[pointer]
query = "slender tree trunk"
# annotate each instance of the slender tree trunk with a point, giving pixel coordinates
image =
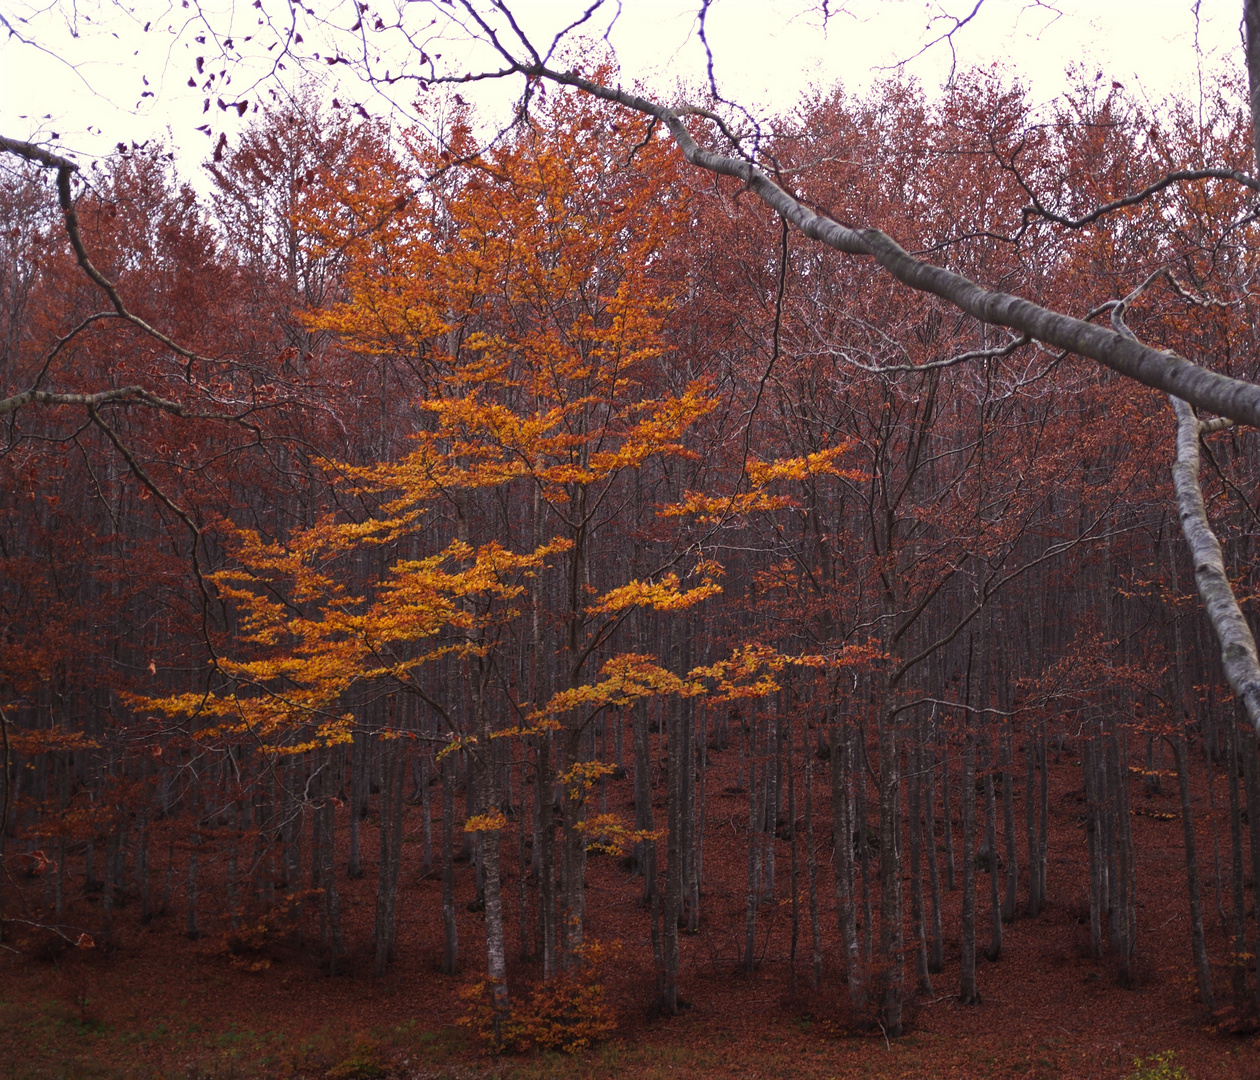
(450, 956)
(845, 876)
(524, 815)
(645, 850)
(1043, 826)
(426, 803)
(326, 809)
(860, 768)
(1030, 822)
(770, 802)
(796, 888)
(756, 823)
(1125, 865)
(994, 951)
(573, 860)
(917, 917)
(947, 818)
(1008, 823)
(811, 868)
(936, 947)
(1251, 769)
(354, 863)
(496, 946)
(390, 859)
(1198, 944)
(968, 993)
(191, 927)
(674, 769)
(891, 928)
(699, 802)
(1094, 841)
(544, 784)
(1238, 966)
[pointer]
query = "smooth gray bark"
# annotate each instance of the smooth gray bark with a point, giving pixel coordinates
(1238, 645)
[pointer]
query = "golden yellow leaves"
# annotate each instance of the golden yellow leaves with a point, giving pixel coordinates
(320, 639)
(608, 834)
(622, 680)
(715, 508)
(494, 821)
(822, 463)
(663, 595)
(581, 776)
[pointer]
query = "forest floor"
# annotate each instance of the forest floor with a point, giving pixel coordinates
(156, 1004)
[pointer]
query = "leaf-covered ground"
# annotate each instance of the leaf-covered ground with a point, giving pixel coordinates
(157, 1004)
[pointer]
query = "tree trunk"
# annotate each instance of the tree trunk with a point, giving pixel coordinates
(675, 765)
(644, 822)
(796, 890)
(354, 862)
(390, 859)
(756, 822)
(947, 819)
(1030, 822)
(572, 913)
(842, 760)
(1198, 945)
(891, 929)
(994, 951)
(811, 868)
(1238, 646)
(450, 955)
(968, 993)
(1094, 842)
(496, 946)
(544, 785)
(1251, 769)
(1238, 964)
(1008, 822)
(917, 917)
(936, 948)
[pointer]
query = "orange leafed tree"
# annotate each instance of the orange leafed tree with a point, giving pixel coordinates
(485, 573)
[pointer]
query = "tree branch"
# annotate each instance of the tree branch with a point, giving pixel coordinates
(1161, 370)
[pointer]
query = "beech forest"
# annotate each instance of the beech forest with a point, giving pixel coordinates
(613, 594)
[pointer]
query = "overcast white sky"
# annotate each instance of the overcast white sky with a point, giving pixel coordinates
(84, 75)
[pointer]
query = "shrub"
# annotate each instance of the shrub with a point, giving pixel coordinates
(1160, 1067)
(366, 1062)
(566, 1013)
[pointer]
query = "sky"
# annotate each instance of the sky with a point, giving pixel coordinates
(87, 72)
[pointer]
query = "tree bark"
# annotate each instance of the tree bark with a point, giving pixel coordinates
(1238, 645)
(811, 868)
(936, 948)
(843, 863)
(1198, 945)
(891, 930)
(917, 917)
(450, 953)
(968, 993)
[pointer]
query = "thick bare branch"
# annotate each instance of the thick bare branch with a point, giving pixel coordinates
(135, 395)
(1161, 370)
(1238, 645)
(1180, 176)
(65, 170)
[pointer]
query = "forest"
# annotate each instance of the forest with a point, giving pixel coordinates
(516, 601)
